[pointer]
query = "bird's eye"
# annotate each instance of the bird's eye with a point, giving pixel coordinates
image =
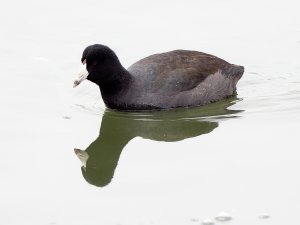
(94, 63)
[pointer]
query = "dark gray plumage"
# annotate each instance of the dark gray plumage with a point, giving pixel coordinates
(173, 79)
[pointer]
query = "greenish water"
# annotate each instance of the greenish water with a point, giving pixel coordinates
(66, 159)
(117, 129)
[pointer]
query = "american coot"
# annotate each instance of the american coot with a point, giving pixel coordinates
(167, 80)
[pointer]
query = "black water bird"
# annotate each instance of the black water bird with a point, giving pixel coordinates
(174, 79)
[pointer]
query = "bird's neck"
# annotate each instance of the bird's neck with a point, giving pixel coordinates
(115, 86)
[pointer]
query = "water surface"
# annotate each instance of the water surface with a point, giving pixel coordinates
(66, 159)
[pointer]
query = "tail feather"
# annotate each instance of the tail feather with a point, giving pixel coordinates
(235, 71)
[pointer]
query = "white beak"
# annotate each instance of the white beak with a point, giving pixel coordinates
(83, 74)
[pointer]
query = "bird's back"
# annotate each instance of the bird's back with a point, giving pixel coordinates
(175, 71)
(183, 78)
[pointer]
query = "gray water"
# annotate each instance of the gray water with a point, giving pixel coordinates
(239, 156)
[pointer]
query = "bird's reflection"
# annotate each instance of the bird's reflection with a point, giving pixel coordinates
(100, 159)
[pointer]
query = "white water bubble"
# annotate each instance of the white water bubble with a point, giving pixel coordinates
(207, 222)
(223, 217)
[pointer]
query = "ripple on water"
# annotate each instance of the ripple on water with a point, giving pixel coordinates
(270, 91)
(264, 216)
(215, 111)
(93, 109)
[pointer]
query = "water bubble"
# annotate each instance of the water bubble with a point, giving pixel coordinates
(223, 217)
(207, 222)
